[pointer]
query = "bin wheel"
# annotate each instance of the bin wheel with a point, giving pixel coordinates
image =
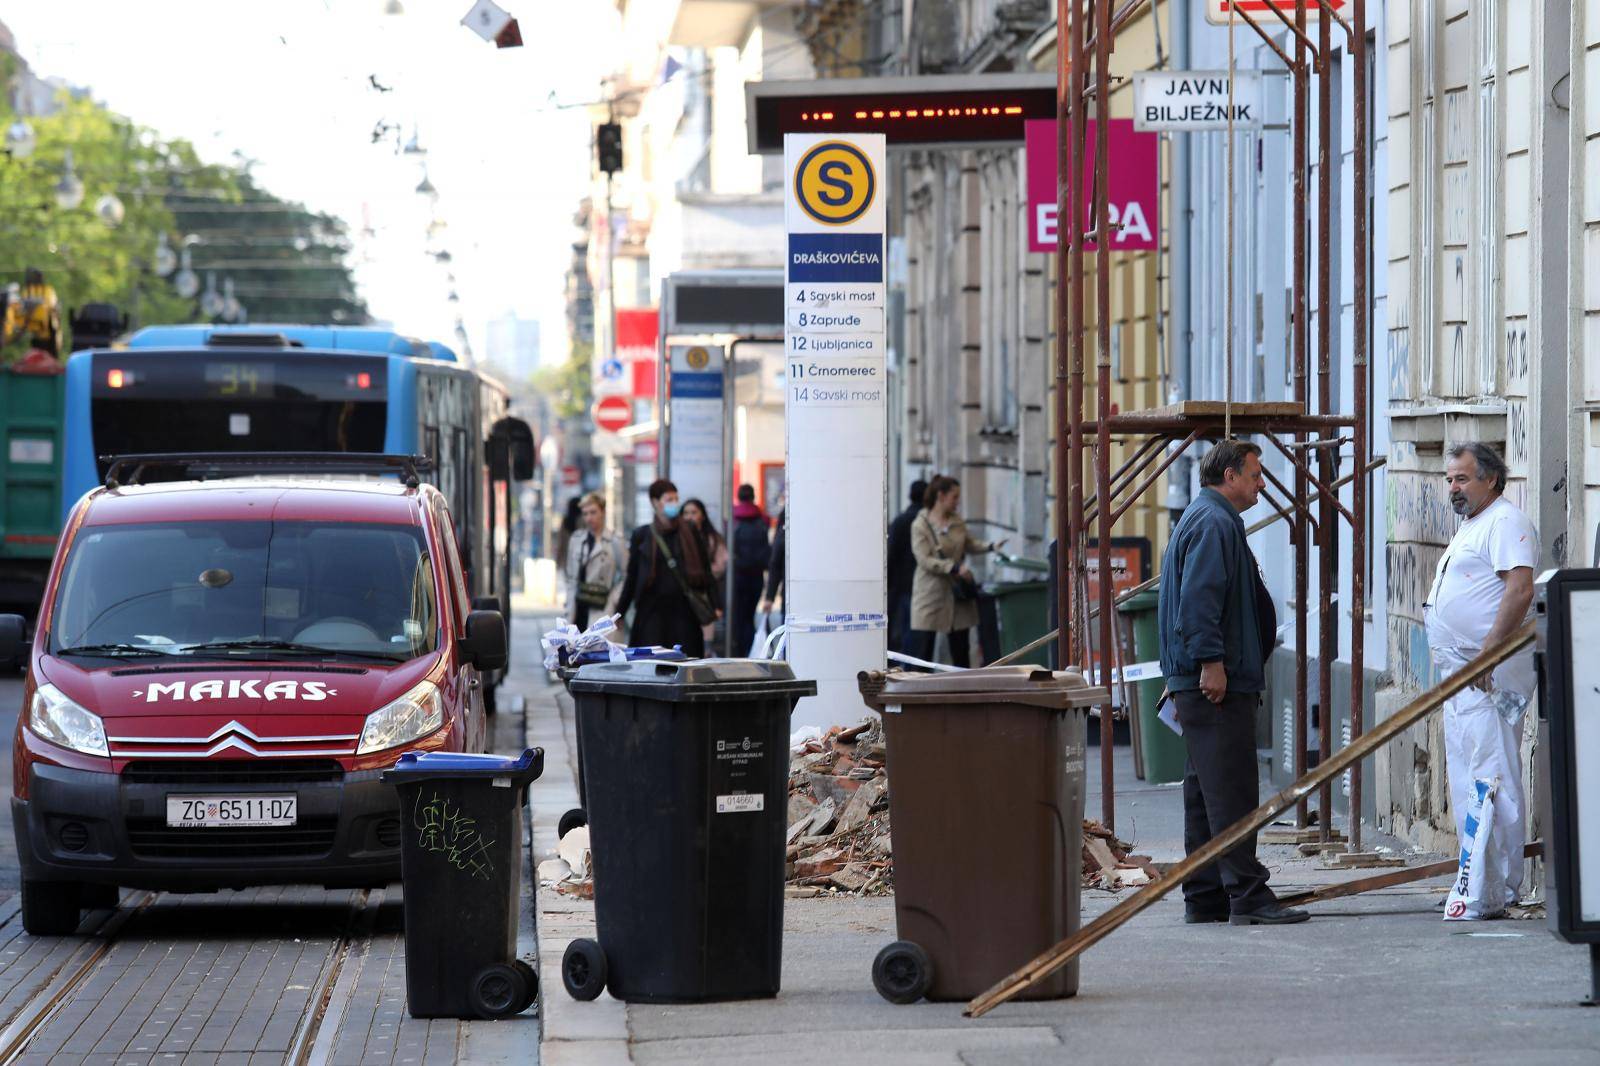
(498, 991)
(583, 969)
(530, 976)
(902, 972)
(576, 818)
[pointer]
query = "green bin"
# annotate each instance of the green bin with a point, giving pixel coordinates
(1022, 609)
(1164, 751)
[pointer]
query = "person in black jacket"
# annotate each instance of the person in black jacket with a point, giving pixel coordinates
(1218, 627)
(751, 554)
(775, 565)
(659, 581)
(903, 570)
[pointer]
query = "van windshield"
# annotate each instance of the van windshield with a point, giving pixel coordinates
(246, 589)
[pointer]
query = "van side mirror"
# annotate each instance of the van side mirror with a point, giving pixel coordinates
(13, 639)
(484, 645)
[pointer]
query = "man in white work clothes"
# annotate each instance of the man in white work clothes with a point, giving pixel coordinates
(1481, 593)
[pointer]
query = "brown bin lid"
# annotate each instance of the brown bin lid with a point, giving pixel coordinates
(991, 684)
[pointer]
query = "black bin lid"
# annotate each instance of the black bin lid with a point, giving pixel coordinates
(692, 681)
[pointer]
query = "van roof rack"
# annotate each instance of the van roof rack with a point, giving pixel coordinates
(240, 339)
(204, 466)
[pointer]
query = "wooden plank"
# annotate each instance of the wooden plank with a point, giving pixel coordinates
(1217, 409)
(1076, 944)
(1388, 880)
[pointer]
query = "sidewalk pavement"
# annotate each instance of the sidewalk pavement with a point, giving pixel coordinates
(1375, 979)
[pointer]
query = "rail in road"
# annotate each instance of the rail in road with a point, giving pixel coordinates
(294, 975)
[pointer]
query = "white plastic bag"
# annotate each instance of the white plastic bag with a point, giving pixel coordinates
(1477, 891)
(758, 646)
(566, 636)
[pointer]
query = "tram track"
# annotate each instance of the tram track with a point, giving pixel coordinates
(315, 1029)
(37, 1012)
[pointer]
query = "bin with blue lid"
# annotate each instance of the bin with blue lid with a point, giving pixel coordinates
(461, 863)
(687, 765)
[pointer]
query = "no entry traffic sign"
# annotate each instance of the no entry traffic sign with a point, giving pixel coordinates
(612, 413)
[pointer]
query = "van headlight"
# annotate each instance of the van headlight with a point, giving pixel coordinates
(61, 721)
(412, 716)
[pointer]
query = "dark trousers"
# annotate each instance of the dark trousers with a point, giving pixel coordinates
(922, 642)
(746, 595)
(1220, 786)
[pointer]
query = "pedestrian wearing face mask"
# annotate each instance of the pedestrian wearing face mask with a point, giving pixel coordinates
(669, 579)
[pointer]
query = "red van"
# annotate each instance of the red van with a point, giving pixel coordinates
(222, 668)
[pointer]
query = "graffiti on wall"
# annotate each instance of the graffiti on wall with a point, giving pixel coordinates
(1419, 508)
(1410, 575)
(1398, 351)
(1517, 358)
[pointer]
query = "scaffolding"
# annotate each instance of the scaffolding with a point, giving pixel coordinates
(1309, 437)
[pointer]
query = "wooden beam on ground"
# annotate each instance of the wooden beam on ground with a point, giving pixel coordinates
(1388, 880)
(1107, 923)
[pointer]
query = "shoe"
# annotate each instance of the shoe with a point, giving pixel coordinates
(1204, 917)
(1271, 914)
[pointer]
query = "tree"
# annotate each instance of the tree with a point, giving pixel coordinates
(288, 263)
(568, 387)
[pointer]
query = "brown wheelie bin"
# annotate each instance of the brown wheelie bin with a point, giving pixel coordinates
(993, 758)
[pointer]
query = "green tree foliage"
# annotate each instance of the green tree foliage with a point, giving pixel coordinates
(568, 387)
(286, 261)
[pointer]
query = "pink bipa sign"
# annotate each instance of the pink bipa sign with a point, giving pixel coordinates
(1133, 177)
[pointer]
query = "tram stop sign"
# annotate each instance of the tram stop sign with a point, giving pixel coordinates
(613, 413)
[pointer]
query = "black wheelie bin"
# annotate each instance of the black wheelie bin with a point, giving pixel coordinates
(997, 755)
(687, 770)
(461, 862)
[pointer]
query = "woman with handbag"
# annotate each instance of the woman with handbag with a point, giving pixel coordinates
(694, 513)
(669, 578)
(596, 562)
(944, 594)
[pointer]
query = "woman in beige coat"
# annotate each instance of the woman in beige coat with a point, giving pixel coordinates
(940, 542)
(597, 561)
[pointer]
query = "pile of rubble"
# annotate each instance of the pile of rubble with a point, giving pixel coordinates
(1109, 863)
(838, 840)
(571, 871)
(838, 815)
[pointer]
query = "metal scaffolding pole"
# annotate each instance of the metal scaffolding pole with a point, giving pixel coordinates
(1358, 485)
(1327, 529)
(1302, 529)
(1102, 389)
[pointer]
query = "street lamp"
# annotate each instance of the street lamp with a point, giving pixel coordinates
(425, 187)
(69, 190)
(164, 261)
(20, 139)
(211, 301)
(110, 211)
(186, 283)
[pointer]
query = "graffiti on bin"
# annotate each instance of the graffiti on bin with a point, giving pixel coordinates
(444, 830)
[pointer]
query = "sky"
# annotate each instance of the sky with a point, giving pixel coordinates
(288, 84)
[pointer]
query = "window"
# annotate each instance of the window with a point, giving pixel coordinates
(165, 586)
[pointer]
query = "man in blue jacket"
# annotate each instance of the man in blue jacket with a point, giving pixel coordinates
(1218, 626)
